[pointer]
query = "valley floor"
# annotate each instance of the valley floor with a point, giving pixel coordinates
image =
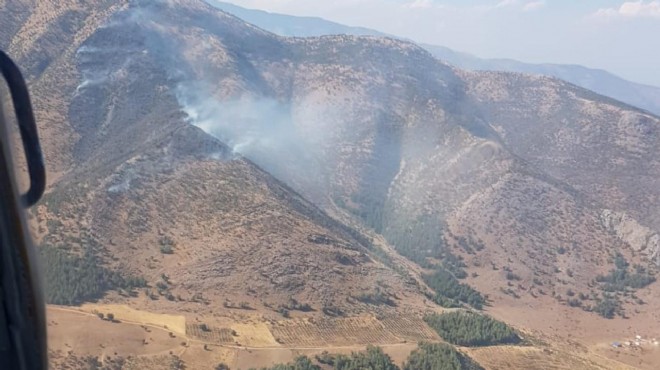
(155, 339)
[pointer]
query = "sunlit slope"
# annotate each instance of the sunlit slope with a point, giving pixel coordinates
(606, 150)
(197, 158)
(207, 231)
(423, 153)
(147, 205)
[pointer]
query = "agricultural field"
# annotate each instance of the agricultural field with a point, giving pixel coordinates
(345, 331)
(351, 331)
(531, 358)
(210, 334)
(409, 328)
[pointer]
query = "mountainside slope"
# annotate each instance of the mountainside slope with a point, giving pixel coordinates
(373, 127)
(606, 150)
(504, 169)
(204, 155)
(140, 191)
(602, 82)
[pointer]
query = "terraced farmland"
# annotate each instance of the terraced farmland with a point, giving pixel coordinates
(354, 330)
(409, 328)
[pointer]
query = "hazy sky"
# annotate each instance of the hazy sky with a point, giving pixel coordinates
(622, 37)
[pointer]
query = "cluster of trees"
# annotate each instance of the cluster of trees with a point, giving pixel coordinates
(71, 279)
(427, 356)
(373, 359)
(419, 241)
(166, 245)
(621, 278)
(377, 298)
(469, 244)
(608, 307)
(369, 209)
(439, 356)
(300, 363)
(470, 329)
(423, 243)
(294, 305)
(454, 264)
(449, 291)
(241, 306)
(330, 310)
(110, 316)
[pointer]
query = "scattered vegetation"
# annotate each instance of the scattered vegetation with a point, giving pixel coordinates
(511, 276)
(177, 363)
(163, 288)
(332, 311)
(510, 292)
(622, 280)
(284, 312)
(294, 305)
(470, 329)
(574, 302)
(241, 306)
(377, 297)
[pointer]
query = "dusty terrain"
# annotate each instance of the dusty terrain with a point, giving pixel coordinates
(146, 338)
(208, 170)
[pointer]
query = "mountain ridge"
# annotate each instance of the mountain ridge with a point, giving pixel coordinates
(643, 96)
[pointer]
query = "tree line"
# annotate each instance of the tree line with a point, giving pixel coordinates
(72, 279)
(422, 242)
(470, 329)
(427, 356)
(449, 291)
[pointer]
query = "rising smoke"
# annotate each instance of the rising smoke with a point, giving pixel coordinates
(275, 134)
(261, 129)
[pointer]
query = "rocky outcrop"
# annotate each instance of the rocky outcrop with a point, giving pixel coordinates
(639, 237)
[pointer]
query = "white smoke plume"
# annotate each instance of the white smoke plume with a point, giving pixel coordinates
(261, 129)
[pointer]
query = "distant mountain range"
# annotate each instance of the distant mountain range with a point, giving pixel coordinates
(600, 81)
